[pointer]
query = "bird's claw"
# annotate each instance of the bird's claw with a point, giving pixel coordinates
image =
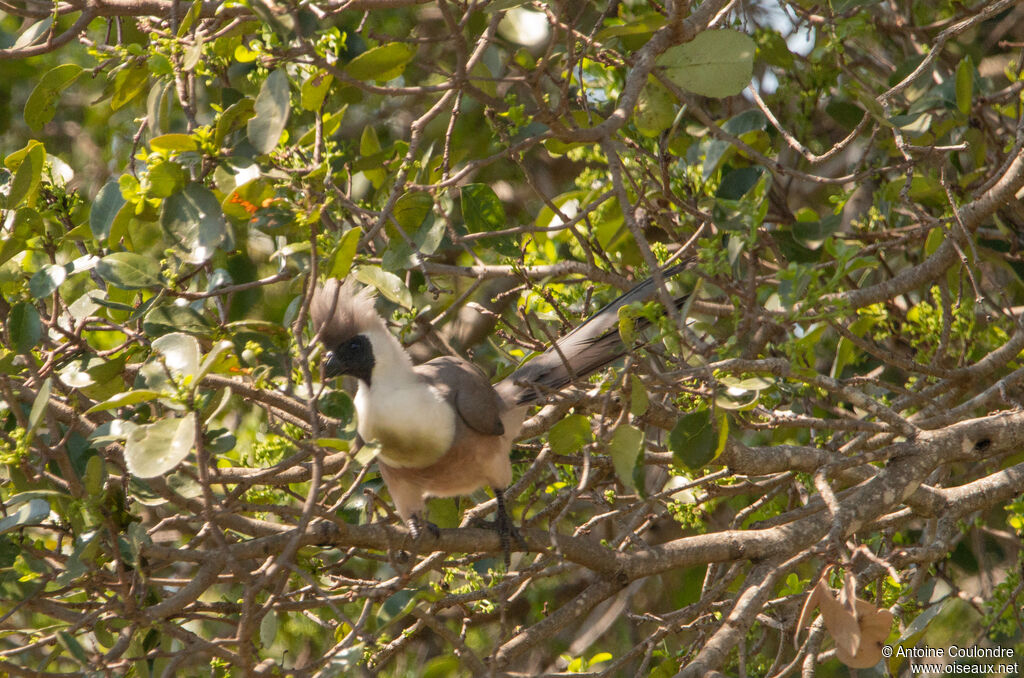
(507, 532)
(506, 529)
(416, 525)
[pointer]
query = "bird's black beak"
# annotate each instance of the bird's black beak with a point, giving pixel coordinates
(333, 367)
(354, 357)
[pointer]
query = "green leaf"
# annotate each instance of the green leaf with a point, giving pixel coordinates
(411, 209)
(160, 66)
(755, 384)
(47, 279)
(429, 237)
(845, 113)
(382, 63)
(194, 220)
(190, 17)
(717, 151)
(41, 105)
(655, 109)
(388, 284)
(76, 374)
(74, 568)
(716, 63)
(627, 325)
(174, 143)
(481, 208)
(748, 121)
(314, 90)
(625, 446)
(39, 404)
(272, 106)
(244, 55)
(965, 84)
(211, 359)
(301, 249)
(331, 123)
(169, 318)
(128, 83)
(154, 449)
(158, 104)
(222, 443)
(31, 34)
(124, 400)
(398, 256)
(95, 377)
(339, 444)
(233, 117)
(95, 475)
(129, 271)
(24, 326)
(738, 182)
(179, 353)
(268, 629)
(644, 26)
(27, 165)
(122, 220)
(31, 512)
(341, 261)
(694, 441)
(134, 311)
(936, 237)
(484, 79)
(639, 401)
(282, 23)
(811, 234)
(105, 207)
(870, 103)
(193, 53)
(246, 199)
(27, 223)
(845, 355)
(773, 49)
(71, 646)
(916, 628)
(369, 148)
(570, 435)
(916, 123)
(165, 179)
(15, 159)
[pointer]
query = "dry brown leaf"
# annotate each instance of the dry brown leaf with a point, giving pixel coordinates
(810, 605)
(874, 623)
(858, 627)
(840, 622)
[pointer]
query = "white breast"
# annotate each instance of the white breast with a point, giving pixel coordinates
(409, 420)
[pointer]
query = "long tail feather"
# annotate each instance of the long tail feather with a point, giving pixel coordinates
(584, 350)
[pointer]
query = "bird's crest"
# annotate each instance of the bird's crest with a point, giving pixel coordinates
(342, 310)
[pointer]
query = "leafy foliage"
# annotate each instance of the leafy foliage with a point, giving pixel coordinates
(838, 401)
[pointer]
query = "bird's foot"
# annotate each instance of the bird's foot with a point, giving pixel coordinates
(507, 533)
(506, 529)
(416, 525)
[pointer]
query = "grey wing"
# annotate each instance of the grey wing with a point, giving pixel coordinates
(468, 389)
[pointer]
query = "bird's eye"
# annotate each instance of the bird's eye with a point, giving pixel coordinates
(354, 344)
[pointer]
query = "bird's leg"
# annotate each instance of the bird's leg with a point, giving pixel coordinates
(506, 529)
(416, 523)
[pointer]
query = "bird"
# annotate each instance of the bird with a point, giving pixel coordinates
(442, 428)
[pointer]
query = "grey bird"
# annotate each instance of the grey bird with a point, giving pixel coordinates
(442, 428)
